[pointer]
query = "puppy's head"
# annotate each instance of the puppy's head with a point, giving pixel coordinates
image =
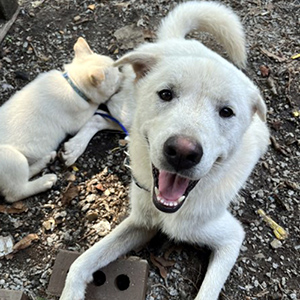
(192, 114)
(93, 74)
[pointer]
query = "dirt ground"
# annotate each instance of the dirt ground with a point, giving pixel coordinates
(95, 189)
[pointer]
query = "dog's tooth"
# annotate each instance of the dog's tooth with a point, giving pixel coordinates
(160, 199)
(156, 191)
(181, 199)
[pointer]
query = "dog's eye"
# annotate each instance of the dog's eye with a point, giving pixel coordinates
(226, 112)
(165, 95)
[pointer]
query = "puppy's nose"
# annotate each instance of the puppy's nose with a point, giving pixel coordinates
(182, 152)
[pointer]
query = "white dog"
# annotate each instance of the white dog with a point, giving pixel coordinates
(38, 118)
(198, 130)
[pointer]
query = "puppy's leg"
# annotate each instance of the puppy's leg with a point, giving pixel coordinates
(125, 237)
(77, 145)
(225, 236)
(14, 176)
(41, 164)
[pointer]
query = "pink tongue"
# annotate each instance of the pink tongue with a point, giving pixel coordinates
(171, 186)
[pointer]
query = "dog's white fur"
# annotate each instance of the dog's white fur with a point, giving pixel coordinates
(202, 82)
(38, 118)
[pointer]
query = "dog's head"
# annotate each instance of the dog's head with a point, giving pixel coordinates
(92, 73)
(192, 114)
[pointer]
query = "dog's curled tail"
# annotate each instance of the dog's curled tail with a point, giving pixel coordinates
(210, 17)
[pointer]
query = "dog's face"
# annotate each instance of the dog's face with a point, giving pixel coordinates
(94, 74)
(192, 113)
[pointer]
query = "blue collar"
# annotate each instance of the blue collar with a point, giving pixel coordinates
(75, 88)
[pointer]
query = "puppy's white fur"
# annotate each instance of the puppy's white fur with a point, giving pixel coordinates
(37, 119)
(202, 83)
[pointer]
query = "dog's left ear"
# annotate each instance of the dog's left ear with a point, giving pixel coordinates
(96, 76)
(141, 62)
(82, 48)
(260, 107)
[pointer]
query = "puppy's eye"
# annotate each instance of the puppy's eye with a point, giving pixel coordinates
(166, 95)
(120, 69)
(226, 112)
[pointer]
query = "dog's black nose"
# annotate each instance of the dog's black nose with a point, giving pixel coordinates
(182, 152)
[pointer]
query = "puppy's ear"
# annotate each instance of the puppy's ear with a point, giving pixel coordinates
(141, 62)
(260, 107)
(96, 76)
(82, 48)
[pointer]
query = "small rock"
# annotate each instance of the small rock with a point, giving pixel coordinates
(275, 244)
(102, 228)
(107, 192)
(77, 18)
(91, 216)
(49, 224)
(293, 296)
(90, 198)
(86, 207)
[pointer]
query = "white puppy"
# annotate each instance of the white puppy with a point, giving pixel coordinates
(38, 118)
(198, 130)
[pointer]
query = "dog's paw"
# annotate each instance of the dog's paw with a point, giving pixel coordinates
(71, 294)
(71, 152)
(49, 181)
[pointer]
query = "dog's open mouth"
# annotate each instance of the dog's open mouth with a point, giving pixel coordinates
(170, 190)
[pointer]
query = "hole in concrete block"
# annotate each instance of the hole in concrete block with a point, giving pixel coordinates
(99, 278)
(122, 282)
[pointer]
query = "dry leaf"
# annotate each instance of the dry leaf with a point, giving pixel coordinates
(16, 208)
(162, 270)
(279, 232)
(164, 262)
(100, 187)
(264, 70)
(25, 242)
(70, 193)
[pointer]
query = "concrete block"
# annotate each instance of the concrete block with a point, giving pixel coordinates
(12, 295)
(122, 279)
(8, 8)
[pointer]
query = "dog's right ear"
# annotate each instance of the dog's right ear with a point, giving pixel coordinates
(81, 48)
(141, 62)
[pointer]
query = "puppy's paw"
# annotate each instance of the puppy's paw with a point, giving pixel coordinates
(70, 294)
(49, 181)
(72, 151)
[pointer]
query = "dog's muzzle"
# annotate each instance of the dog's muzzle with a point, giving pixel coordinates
(170, 189)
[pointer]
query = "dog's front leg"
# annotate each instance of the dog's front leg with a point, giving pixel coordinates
(74, 147)
(225, 237)
(125, 237)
